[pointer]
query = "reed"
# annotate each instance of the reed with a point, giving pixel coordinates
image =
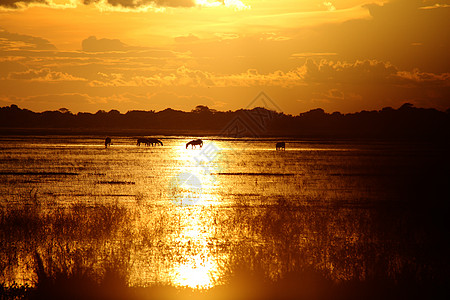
(282, 248)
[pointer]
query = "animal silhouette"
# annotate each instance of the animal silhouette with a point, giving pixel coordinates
(281, 146)
(149, 141)
(107, 142)
(143, 141)
(194, 143)
(155, 142)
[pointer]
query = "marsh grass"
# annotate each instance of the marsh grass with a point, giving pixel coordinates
(280, 249)
(54, 242)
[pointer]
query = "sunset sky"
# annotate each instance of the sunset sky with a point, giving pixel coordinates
(340, 55)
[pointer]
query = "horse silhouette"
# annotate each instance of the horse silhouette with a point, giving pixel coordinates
(107, 142)
(281, 146)
(143, 141)
(194, 143)
(148, 141)
(155, 142)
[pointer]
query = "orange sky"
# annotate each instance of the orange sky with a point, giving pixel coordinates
(340, 55)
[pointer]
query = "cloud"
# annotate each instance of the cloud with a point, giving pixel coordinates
(272, 36)
(191, 38)
(418, 77)
(18, 4)
(335, 94)
(357, 72)
(125, 5)
(437, 5)
(392, 32)
(14, 41)
(44, 74)
(311, 54)
(329, 6)
(366, 72)
(142, 3)
(113, 80)
(227, 36)
(236, 4)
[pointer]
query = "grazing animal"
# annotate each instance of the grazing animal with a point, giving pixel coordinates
(155, 142)
(107, 142)
(148, 141)
(281, 146)
(143, 141)
(194, 143)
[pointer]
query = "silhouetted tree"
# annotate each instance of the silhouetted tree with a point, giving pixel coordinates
(406, 121)
(64, 110)
(201, 109)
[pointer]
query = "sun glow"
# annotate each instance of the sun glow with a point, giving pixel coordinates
(198, 268)
(197, 273)
(236, 4)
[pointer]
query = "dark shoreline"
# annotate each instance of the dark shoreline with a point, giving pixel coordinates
(406, 122)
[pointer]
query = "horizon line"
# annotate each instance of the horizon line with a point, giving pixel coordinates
(206, 108)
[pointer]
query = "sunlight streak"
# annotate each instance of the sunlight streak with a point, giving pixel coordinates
(198, 272)
(198, 267)
(195, 183)
(193, 193)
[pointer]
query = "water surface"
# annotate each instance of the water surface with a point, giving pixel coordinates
(194, 217)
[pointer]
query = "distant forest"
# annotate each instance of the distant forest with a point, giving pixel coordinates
(406, 122)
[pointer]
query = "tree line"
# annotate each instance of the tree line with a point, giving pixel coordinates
(406, 121)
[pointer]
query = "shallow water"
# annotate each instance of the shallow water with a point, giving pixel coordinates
(191, 217)
(81, 169)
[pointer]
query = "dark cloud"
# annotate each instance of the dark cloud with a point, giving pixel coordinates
(369, 72)
(16, 4)
(140, 3)
(17, 41)
(400, 31)
(358, 72)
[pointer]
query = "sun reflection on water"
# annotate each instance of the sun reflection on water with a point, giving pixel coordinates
(197, 267)
(194, 182)
(192, 192)
(198, 272)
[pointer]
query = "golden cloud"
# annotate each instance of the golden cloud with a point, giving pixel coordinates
(124, 5)
(323, 71)
(44, 74)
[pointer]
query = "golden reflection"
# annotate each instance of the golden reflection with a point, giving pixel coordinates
(194, 182)
(193, 190)
(199, 272)
(197, 267)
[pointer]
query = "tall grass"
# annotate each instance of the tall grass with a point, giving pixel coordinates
(61, 246)
(285, 248)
